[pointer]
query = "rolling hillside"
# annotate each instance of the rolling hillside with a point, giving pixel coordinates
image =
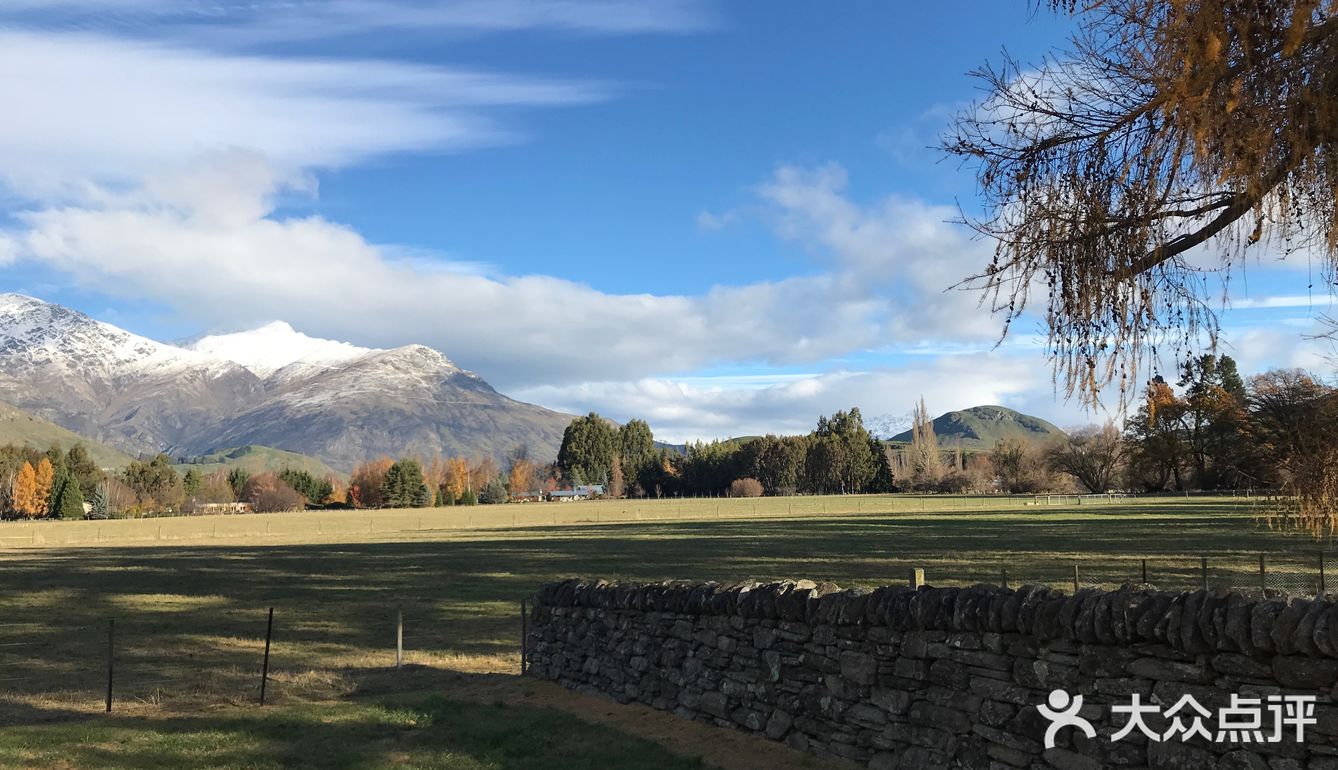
(981, 427)
(19, 427)
(256, 459)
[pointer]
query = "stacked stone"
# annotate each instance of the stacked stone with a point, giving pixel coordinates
(939, 677)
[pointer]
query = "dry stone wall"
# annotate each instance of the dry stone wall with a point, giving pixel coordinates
(948, 677)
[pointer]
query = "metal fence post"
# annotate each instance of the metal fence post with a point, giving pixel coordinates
(1075, 577)
(1145, 571)
(264, 669)
(111, 658)
(399, 639)
(1263, 574)
(1203, 568)
(1003, 578)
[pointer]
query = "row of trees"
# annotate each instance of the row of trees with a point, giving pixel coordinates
(1210, 429)
(838, 457)
(54, 483)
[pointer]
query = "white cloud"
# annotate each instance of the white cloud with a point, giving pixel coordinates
(156, 170)
(1310, 302)
(255, 21)
(681, 409)
(909, 250)
(89, 107)
(204, 239)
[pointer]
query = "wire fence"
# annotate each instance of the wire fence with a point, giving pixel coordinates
(150, 658)
(1265, 574)
(137, 659)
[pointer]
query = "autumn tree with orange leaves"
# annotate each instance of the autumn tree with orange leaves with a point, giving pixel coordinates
(26, 501)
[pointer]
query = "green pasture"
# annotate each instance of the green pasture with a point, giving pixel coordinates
(190, 602)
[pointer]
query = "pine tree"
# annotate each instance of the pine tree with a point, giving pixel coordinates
(237, 478)
(69, 502)
(423, 498)
(191, 483)
(60, 477)
(468, 498)
(99, 503)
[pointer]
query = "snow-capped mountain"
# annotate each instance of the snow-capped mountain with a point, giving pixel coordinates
(277, 347)
(886, 426)
(106, 383)
(272, 385)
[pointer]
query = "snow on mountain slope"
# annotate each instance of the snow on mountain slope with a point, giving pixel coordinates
(110, 385)
(273, 386)
(36, 335)
(277, 347)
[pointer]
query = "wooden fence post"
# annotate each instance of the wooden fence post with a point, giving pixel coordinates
(524, 638)
(111, 659)
(1321, 573)
(917, 577)
(399, 639)
(1145, 571)
(264, 669)
(1075, 577)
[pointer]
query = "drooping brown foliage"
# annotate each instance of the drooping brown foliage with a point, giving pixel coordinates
(1295, 425)
(1092, 456)
(745, 488)
(267, 493)
(366, 482)
(1167, 125)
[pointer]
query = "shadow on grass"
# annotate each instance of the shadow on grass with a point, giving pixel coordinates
(435, 732)
(191, 620)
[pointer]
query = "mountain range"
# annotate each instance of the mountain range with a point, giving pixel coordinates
(981, 427)
(271, 386)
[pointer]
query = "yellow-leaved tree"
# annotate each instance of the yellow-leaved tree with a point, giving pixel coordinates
(25, 492)
(45, 476)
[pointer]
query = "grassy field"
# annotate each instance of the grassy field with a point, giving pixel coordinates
(189, 596)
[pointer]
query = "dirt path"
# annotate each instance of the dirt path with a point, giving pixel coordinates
(720, 747)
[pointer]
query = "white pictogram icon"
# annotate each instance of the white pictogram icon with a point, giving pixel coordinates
(1063, 712)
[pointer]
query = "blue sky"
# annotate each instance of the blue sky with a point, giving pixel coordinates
(726, 218)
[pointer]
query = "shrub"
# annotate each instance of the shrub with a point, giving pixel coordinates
(267, 493)
(955, 483)
(745, 488)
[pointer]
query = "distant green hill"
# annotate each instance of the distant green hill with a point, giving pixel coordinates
(256, 459)
(981, 427)
(19, 427)
(682, 449)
